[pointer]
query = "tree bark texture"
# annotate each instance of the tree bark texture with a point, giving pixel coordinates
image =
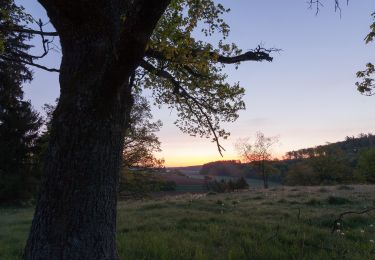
(76, 211)
(75, 216)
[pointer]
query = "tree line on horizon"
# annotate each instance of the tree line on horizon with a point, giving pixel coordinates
(348, 161)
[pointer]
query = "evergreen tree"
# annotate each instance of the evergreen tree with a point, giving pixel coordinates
(19, 123)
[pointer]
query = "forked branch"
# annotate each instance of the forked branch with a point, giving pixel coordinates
(27, 58)
(29, 63)
(179, 90)
(19, 29)
(317, 4)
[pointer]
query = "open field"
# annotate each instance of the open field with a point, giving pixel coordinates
(280, 223)
(195, 182)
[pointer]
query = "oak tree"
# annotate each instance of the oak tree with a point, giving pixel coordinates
(110, 50)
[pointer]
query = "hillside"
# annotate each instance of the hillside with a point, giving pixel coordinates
(347, 161)
(351, 146)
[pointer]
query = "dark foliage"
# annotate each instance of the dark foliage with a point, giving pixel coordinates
(140, 183)
(349, 161)
(227, 186)
(19, 123)
(350, 147)
(366, 165)
(237, 169)
(141, 142)
(222, 168)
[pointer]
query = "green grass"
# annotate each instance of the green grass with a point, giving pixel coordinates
(14, 226)
(255, 224)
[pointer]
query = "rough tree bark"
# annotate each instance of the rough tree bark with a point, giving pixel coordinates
(75, 216)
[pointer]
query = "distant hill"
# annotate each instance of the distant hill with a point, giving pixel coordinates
(351, 146)
(223, 168)
(324, 164)
(195, 169)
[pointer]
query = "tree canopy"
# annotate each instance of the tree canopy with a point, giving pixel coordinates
(141, 142)
(187, 74)
(183, 72)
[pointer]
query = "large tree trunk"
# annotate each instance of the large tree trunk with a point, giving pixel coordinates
(75, 216)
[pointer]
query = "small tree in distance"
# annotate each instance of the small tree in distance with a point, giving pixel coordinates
(259, 153)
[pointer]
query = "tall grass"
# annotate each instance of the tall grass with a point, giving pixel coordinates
(256, 224)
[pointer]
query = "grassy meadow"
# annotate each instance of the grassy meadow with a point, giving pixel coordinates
(279, 223)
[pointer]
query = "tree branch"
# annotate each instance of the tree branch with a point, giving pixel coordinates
(30, 31)
(318, 4)
(258, 54)
(30, 64)
(45, 43)
(179, 90)
(24, 57)
(341, 216)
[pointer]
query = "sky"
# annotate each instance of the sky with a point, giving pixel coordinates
(306, 96)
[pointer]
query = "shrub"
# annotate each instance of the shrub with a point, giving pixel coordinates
(168, 186)
(313, 202)
(337, 200)
(241, 184)
(228, 186)
(142, 182)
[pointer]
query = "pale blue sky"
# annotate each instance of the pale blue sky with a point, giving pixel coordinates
(307, 95)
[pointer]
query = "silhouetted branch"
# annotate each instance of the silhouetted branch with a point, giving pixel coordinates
(180, 90)
(341, 216)
(26, 58)
(317, 4)
(29, 31)
(30, 64)
(258, 54)
(45, 42)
